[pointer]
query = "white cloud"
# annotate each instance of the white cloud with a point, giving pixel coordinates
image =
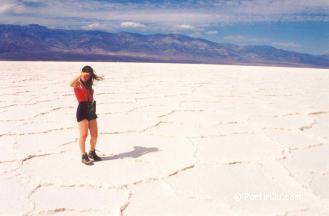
(8, 7)
(190, 30)
(286, 45)
(132, 25)
(186, 27)
(198, 14)
(95, 26)
(212, 32)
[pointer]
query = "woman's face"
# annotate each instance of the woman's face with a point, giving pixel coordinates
(85, 76)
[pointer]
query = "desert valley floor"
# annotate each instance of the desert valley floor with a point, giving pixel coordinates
(176, 139)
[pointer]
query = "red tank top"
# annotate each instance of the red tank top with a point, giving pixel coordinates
(84, 94)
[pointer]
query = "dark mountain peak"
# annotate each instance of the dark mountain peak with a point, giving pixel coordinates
(260, 47)
(179, 37)
(36, 26)
(129, 34)
(30, 26)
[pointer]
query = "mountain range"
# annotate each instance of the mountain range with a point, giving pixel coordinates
(35, 42)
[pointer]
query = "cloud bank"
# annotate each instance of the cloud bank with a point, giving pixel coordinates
(107, 15)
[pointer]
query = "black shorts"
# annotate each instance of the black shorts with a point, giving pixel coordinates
(86, 110)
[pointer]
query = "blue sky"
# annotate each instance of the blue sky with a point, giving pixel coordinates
(298, 25)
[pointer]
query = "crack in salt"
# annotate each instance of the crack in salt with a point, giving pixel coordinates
(307, 147)
(318, 113)
(139, 107)
(171, 112)
(305, 187)
(126, 204)
(34, 156)
(157, 124)
(119, 132)
(59, 210)
(33, 133)
(308, 126)
(181, 170)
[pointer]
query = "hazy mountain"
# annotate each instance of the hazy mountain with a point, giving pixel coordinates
(35, 42)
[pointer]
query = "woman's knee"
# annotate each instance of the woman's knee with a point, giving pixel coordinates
(94, 135)
(83, 135)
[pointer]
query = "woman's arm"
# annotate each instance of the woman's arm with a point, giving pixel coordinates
(75, 82)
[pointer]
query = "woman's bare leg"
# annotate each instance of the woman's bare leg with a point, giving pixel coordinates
(93, 133)
(83, 126)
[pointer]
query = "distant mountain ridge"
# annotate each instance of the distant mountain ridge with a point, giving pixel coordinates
(35, 42)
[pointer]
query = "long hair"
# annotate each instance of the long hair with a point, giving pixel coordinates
(93, 76)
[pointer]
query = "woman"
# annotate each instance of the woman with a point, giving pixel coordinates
(86, 112)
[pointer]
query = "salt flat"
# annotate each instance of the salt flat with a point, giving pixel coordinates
(177, 139)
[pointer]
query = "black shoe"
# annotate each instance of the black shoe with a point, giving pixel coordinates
(85, 159)
(92, 154)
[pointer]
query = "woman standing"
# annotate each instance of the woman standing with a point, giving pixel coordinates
(86, 112)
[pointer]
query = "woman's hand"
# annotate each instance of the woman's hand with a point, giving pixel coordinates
(84, 76)
(75, 82)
